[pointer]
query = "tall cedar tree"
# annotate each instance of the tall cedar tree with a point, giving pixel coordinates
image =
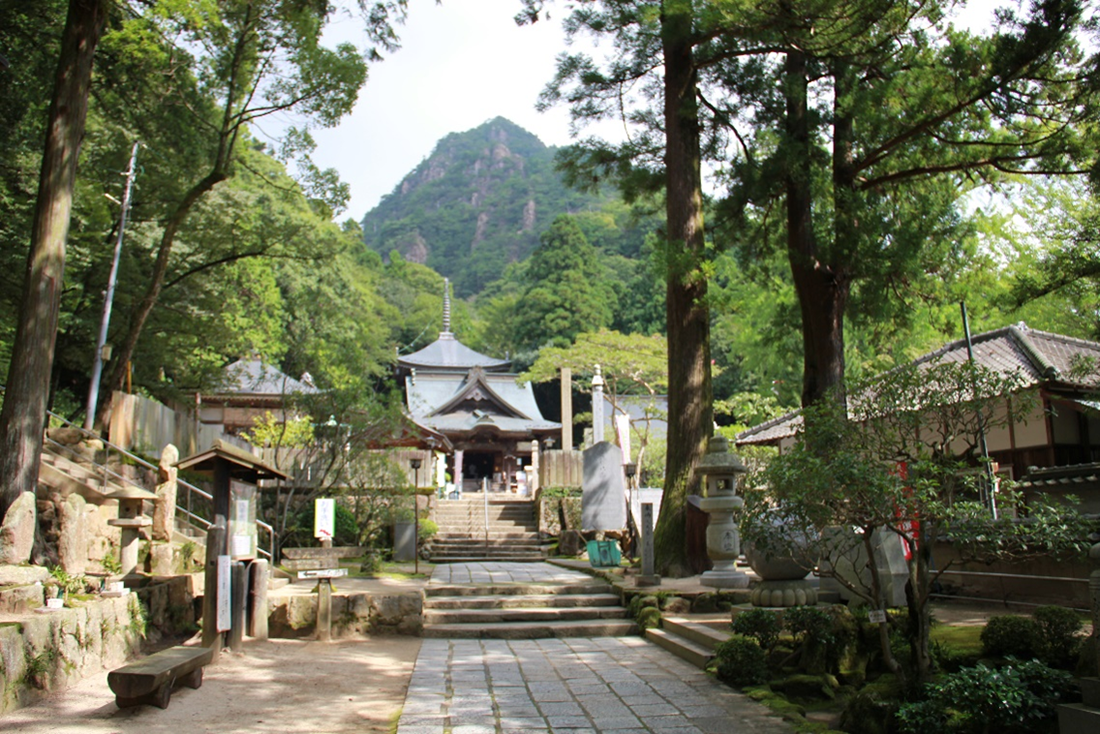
(669, 160)
(23, 417)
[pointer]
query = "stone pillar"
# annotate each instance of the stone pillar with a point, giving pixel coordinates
(648, 577)
(164, 514)
(458, 470)
(72, 544)
(257, 617)
(533, 476)
(597, 407)
(1085, 716)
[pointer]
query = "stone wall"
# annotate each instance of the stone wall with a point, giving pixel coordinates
(551, 510)
(353, 615)
(43, 653)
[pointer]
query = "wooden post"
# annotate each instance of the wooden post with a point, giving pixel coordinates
(257, 618)
(566, 409)
(324, 610)
(239, 605)
(215, 540)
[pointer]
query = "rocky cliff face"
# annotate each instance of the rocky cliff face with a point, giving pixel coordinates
(477, 203)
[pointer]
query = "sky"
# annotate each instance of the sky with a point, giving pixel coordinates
(461, 63)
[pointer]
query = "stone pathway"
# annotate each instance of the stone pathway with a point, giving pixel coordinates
(504, 572)
(605, 684)
(578, 685)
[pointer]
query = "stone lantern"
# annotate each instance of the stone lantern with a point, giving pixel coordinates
(721, 468)
(130, 520)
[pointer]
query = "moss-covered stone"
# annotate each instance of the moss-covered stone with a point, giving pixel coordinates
(806, 686)
(706, 603)
(648, 617)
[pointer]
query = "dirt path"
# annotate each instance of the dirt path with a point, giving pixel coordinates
(275, 686)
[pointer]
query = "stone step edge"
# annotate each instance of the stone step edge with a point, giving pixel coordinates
(681, 647)
(519, 589)
(699, 633)
(520, 601)
(532, 630)
(522, 614)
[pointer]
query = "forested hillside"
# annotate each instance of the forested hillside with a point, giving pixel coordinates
(477, 204)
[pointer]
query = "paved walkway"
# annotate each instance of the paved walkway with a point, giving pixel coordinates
(606, 684)
(505, 572)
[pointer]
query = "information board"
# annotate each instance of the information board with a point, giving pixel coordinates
(324, 519)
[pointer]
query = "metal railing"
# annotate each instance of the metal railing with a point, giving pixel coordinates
(184, 507)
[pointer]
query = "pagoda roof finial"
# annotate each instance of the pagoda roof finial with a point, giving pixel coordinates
(447, 305)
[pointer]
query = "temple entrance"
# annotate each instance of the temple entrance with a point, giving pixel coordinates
(476, 466)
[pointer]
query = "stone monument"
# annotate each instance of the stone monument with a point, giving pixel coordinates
(164, 514)
(603, 498)
(720, 469)
(17, 530)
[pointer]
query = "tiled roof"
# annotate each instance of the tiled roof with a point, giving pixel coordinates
(517, 411)
(253, 377)
(1035, 357)
(448, 353)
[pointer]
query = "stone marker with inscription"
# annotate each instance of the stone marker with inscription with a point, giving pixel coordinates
(603, 501)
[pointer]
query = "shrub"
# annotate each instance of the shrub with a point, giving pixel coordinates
(1057, 629)
(739, 661)
(762, 625)
(809, 625)
(1018, 698)
(428, 529)
(1010, 635)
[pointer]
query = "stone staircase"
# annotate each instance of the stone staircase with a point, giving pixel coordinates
(525, 611)
(511, 535)
(693, 641)
(66, 470)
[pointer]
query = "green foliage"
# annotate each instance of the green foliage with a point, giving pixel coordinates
(271, 431)
(428, 529)
(648, 617)
(67, 583)
(763, 625)
(345, 527)
(1017, 698)
(1010, 635)
(1057, 629)
(740, 661)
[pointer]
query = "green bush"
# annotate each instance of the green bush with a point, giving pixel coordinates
(1019, 698)
(809, 625)
(1057, 629)
(739, 661)
(428, 529)
(763, 625)
(1010, 635)
(301, 534)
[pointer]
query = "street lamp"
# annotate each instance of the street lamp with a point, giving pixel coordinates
(415, 464)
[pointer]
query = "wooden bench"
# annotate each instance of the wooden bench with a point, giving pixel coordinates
(152, 679)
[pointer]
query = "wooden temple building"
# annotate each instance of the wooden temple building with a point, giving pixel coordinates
(475, 401)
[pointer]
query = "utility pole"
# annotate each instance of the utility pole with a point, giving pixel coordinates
(112, 279)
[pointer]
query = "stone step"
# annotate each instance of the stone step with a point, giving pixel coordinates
(533, 630)
(511, 543)
(532, 558)
(497, 553)
(700, 633)
(481, 536)
(692, 652)
(483, 617)
(583, 587)
(516, 601)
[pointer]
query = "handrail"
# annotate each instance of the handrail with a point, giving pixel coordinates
(107, 472)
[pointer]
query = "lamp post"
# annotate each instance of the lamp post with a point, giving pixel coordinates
(415, 464)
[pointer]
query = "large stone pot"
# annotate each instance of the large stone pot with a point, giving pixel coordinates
(782, 568)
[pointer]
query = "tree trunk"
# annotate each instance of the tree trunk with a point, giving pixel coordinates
(822, 290)
(23, 417)
(689, 380)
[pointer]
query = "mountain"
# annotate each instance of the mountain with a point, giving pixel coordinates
(476, 204)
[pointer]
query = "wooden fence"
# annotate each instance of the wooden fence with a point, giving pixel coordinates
(561, 469)
(144, 426)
